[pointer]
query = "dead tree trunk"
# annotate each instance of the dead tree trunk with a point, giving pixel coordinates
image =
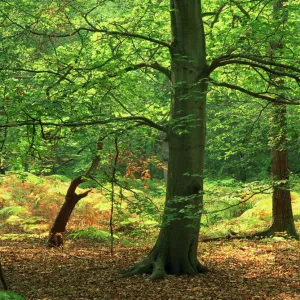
(57, 231)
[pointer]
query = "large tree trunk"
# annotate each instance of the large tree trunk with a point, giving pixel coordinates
(59, 227)
(175, 251)
(282, 214)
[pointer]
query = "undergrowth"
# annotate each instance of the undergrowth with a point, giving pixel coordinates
(29, 205)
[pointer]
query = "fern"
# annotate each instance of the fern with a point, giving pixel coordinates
(91, 233)
(12, 210)
(8, 295)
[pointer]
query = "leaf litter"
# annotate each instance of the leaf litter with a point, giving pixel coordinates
(239, 269)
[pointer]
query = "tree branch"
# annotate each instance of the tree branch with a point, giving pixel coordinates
(229, 59)
(137, 119)
(240, 7)
(254, 94)
(155, 66)
(257, 65)
(94, 29)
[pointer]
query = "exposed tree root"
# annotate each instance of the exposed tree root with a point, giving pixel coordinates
(156, 265)
(272, 232)
(55, 240)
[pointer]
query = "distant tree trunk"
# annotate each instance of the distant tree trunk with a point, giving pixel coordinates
(175, 251)
(243, 170)
(57, 231)
(282, 214)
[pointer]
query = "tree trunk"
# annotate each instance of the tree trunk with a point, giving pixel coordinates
(175, 251)
(71, 199)
(165, 155)
(60, 223)
(282, 214)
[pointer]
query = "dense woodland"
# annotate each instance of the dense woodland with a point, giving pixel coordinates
(145, 139)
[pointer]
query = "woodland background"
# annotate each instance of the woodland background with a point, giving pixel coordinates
(102, 101)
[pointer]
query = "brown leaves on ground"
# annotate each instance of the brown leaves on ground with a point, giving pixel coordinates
(238, 270)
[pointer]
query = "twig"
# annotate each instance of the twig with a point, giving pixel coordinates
(113, 180)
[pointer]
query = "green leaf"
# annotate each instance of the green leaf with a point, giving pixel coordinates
(10, 296)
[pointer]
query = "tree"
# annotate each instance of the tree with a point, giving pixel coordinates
(282, 213)
(175, 251)
(71, 199)
(130, 47)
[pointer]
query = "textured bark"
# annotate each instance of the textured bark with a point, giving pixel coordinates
(175, 251)
(165, 155)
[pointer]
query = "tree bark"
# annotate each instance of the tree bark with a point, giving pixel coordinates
(165, 154)
(175, 251)
(61, 221)
(59, 227)
(282, 214)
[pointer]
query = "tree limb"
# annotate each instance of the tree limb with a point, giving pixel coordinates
(228, 58)
(241, 8)
(254, 94)
(138, 119)
(257, 65)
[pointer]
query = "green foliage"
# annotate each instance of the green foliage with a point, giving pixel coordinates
(9, 295)
(30, 178)
(33, 220)
(12, 210)
(91, 233)
(61, 178)
(57, 69)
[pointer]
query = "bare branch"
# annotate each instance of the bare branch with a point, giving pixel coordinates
(241, 8)
(155, 66)
(94, 29)
(214, 13)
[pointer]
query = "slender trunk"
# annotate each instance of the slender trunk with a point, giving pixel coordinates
(57, 231)
(60, 223)
(175, 251)
(282, 214)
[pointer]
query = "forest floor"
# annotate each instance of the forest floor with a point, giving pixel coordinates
(239, 269)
